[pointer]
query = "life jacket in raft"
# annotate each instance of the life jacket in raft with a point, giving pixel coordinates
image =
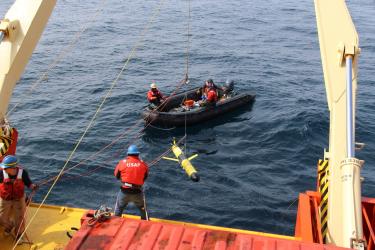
(212, 96)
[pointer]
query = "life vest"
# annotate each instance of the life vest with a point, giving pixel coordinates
(133, 171)
(151, 95)
(12, 189)
(212, 96)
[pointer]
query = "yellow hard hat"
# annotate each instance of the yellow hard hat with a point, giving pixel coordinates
(153, 85)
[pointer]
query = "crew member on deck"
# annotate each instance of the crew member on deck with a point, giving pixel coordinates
(132, 172)
(154, 96)
(13, 180)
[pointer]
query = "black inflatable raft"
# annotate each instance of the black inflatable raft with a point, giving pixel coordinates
(171, 114)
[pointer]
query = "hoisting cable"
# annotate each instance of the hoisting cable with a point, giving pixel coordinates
(187, 66)
(185, 136)
(64, 52)
(188, 43)
(132, 53)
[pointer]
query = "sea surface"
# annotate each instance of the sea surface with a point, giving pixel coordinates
(253, 163)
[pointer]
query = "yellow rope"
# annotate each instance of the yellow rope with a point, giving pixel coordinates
(132, 53)
(67, 49)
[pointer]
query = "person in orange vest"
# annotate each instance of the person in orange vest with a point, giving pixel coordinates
(211, 98)
(132, 172)
(13, 180)
(154, 96)
(208, 85)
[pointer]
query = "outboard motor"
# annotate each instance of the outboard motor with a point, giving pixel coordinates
(228, 87)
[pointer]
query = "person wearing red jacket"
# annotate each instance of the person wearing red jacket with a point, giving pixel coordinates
(154, 96)
(211, 99)
(13, 180)
(132, 172)
(212, 96)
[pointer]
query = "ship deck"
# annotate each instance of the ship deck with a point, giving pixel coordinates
(50, 227)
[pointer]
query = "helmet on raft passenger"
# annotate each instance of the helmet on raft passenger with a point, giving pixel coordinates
(133, 150)
(10, 161)
(228, 86)
(153, 85)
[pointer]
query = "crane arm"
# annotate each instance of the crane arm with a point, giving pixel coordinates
(20, 31)
(339, 52)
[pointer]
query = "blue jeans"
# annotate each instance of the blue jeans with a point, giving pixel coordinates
(123, 200)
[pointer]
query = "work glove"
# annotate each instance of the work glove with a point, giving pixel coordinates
(34, 187)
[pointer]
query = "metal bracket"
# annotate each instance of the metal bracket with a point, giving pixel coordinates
(9, 28)
(344, 51)
(340, 53)
(326, 154)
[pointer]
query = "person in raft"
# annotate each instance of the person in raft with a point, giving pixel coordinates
(154, 96)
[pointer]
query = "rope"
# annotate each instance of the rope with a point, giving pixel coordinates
(132, 53)
(150, 164)
(67, 49)
(45, 181)
(188, 41)
(119, 137)
(100, 215)
(185, 127)
(164, 129)
(24, 214)
(187, 65)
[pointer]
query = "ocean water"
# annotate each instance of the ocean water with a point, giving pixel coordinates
(253, 163)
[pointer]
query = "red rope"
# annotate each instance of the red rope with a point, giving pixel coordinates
(31, 195)
(153, 162)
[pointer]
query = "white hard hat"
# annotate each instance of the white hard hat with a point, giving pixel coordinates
(153, 85)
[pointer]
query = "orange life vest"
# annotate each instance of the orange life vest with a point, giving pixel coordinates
(154, 96)
(12, 189)
(132, 171)
(212, 96)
